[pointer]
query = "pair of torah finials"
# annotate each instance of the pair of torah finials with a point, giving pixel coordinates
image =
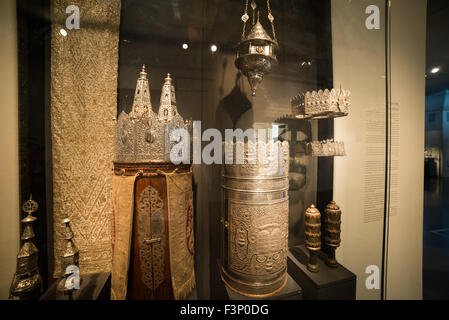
(332, 222)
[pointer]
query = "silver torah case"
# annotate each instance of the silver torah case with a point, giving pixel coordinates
(254, 223)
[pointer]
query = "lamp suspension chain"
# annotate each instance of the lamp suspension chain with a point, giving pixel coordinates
(245, 18)
(254, 6)
(271, 18)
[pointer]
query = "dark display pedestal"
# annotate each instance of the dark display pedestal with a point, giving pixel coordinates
(327, 284)
(291, 291)
(96, 286)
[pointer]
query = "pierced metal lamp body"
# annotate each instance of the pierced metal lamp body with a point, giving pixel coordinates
(256, 56)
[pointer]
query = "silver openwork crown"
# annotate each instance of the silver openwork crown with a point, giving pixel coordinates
(274, 159)
(143, 135)
(326, 148)
(322, 104)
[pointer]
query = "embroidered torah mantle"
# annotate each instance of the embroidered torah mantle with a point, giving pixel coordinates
(153, 239)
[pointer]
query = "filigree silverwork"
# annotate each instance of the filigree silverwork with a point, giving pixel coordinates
(27, 281)
(255, 221)
(143, 135)
(326, 148)
(322, 104)
(256, 51)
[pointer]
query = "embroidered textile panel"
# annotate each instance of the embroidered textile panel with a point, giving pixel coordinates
(84, 67)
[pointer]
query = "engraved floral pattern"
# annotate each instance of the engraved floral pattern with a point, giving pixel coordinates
(258, 238)
(150, 221)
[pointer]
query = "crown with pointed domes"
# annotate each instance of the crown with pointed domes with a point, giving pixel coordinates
(143, 135)
(322, 104)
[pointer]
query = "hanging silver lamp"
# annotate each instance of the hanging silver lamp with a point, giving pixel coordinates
(256, 51)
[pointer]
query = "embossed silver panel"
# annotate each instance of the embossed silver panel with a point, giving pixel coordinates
(151, 237)
(143, 135)
(255, 224)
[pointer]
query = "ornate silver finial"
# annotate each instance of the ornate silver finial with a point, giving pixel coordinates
(70, 254)
(27, 281)
(143, 74)
(70, 261)
(167, 108)
(30, 205)
(143, 135)
(142, 98)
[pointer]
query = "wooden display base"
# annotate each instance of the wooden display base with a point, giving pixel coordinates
(327, 284)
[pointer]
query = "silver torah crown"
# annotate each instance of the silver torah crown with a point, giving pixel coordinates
(326, 148)
(143, 135)
(322, 104)
(275, 159)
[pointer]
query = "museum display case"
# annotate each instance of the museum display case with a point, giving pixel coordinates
(219, 149)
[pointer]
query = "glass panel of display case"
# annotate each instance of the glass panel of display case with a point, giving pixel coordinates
(221, 149)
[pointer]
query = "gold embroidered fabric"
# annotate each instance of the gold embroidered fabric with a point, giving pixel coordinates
(180, 210)
(84, 66)
(123, 207)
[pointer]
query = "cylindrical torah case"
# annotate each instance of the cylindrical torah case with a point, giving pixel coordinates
(332, 223)
(313, 236)
(255, 220)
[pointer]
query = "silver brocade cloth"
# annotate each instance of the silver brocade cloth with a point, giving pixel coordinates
(83, 104)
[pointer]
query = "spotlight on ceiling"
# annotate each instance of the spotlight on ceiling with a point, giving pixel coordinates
(435, 70)
(185, 46)
(213, 48)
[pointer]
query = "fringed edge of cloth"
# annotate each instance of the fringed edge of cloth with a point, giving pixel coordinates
(121, 240)
(186, 289)
(180, 292)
